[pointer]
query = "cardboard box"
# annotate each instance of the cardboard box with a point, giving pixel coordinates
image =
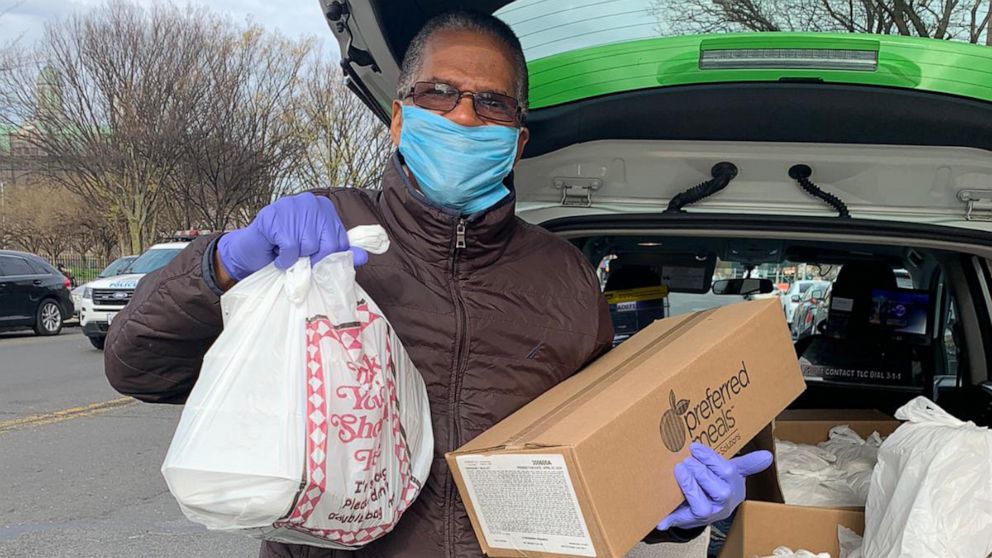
(586, 469)
(761, 527)
(810, 426)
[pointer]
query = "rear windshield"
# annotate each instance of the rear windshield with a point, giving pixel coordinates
(548, 27)
(153, 259)
(837, 337)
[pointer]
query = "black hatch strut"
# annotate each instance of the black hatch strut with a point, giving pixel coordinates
(339, 14)
(801, 174)
(722, 173)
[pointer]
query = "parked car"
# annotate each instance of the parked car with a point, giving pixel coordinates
(33, 294)
(103, 298)
(809, 312)
(792, 298)
(114, 268)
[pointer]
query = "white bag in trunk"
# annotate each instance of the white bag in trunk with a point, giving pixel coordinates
(931, 492)
(308, 423)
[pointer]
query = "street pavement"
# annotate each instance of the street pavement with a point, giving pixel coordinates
(80, 464)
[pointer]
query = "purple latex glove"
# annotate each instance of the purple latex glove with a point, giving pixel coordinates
(713, 486)
(284, 231)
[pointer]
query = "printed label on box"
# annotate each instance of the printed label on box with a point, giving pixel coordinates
(526, 502)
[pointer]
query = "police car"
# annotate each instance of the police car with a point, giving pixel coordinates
(104, 298)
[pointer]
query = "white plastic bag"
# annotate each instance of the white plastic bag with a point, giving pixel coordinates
(850, 542)
(308, 424)
(931, 493)
(856, 458)
(834, 473)
(786, 552)
(809, 476)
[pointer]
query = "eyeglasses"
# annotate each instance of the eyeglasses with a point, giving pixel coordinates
(444, 98)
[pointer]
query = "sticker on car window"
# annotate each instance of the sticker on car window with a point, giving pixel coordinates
(842, 304)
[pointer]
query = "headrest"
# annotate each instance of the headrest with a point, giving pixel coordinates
(850, 303)
(862, 277)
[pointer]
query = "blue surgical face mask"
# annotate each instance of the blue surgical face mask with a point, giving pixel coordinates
(458, 167)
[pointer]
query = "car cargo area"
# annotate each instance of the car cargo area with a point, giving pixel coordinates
(879, 325)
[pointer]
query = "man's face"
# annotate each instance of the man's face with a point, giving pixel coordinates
(469, 62)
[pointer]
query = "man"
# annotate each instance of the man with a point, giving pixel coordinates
(492, 310)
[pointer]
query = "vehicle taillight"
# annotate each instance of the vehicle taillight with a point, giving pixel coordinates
(66, 283)
(809, 318)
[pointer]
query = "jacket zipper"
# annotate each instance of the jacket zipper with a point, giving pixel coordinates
(454, 389)
(459, 241)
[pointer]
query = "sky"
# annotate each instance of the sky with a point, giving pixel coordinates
(25, 19)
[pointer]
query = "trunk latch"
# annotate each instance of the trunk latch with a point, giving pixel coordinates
(577, 192)
(979, 204)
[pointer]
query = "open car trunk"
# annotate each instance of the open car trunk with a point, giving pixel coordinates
(620, 130)
(907, 138)
(946, 186)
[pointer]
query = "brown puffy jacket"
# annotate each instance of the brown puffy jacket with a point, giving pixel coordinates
(490, 325)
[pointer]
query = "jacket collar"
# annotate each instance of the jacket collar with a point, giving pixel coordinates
(429, 231)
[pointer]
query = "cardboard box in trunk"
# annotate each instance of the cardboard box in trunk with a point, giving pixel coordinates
(587, 468)
(810, 426)
(761, 527)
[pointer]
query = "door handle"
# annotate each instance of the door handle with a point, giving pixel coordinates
(36, 282)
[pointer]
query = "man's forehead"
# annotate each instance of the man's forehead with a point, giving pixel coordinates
(467, 60)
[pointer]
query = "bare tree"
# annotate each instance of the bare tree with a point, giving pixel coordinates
(41, 217)
(7, 55)
(965, 20)
(241, 143)
(95, 233)
(111, 103)
(346, 145)
(161, 119)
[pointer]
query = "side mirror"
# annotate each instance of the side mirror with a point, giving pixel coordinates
(796, 298)
(743, 287)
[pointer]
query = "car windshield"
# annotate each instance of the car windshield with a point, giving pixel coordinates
(549, 27)
(153, 259)
(803, 287)
(117, 267)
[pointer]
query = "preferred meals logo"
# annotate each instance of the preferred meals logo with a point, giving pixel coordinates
(672, 429)
(710, 421)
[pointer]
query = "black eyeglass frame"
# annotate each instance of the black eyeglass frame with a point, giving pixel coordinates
(518, 112)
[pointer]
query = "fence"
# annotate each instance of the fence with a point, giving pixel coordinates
(83, 267)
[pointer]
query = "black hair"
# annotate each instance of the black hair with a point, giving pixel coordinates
(476, 22)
